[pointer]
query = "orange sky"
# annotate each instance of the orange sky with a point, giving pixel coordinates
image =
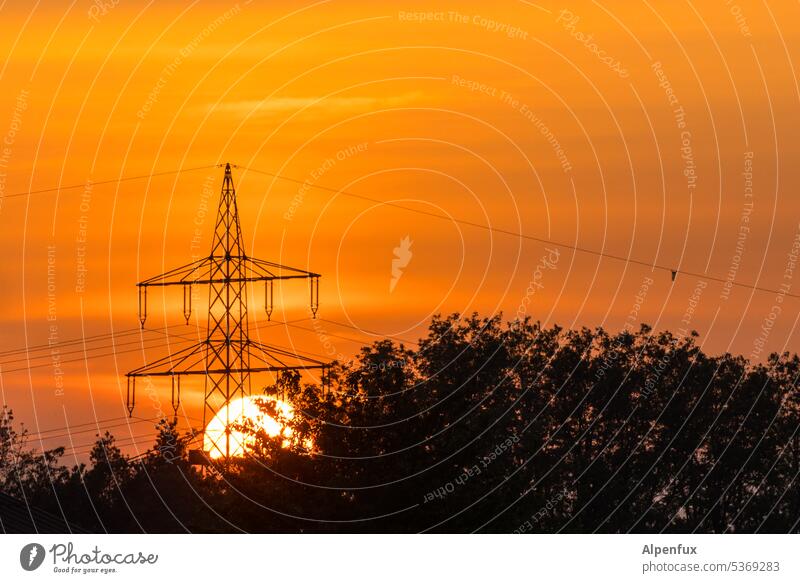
(454, 108)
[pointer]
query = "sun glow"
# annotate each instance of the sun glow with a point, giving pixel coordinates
(243, 411)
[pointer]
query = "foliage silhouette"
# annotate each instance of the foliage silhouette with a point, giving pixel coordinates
(485, 427)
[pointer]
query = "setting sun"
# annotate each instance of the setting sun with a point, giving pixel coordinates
(243, 411)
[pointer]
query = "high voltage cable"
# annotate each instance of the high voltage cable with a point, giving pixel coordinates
(96, 422)
(85, 448)
(672, 270)
(346, 338)
(82, 340)
(109, 181)
(97, 426)
(86, 351)
(180, 339)
(125, 442)
(137, 440)
(79, 341)
(59, 344)
(69, 431)
(91, 356)
(186, 444)
(89, 353)
(653, 266)
(97, 338)
(369, 332)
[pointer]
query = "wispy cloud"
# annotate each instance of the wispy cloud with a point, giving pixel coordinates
(312, 105)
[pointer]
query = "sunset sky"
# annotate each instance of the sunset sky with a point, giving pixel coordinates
(657, 131)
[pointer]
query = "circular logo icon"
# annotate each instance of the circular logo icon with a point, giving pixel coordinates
(31, 556)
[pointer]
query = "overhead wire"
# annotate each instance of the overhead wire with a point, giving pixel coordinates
(93, 183)
(672, 270)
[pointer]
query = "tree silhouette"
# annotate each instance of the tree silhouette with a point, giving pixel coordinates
(484, 426)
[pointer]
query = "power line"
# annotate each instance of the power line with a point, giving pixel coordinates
(85, 351)
(369, 332)
(125, 442)
(653, 266)
(89, 353)
(62, 428)
(81, 341)
(186, 444)
(129, 441)
(59, 344)
(109, 181)
(98, 428)
(672, 270)
(113, 353)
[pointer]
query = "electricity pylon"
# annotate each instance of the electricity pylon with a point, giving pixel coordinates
(227, 357)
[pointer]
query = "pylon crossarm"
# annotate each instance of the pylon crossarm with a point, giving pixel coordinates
(237, 370)
(188, 274)
(278, 271)
(200, 272)
(270, 358)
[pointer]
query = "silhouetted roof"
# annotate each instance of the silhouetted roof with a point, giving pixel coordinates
(17, 517)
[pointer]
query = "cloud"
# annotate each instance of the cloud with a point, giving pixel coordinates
(312, 105)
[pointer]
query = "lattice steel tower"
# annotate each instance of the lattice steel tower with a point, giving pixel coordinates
(227, 357)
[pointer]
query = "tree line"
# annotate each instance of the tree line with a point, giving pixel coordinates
(485, 426)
